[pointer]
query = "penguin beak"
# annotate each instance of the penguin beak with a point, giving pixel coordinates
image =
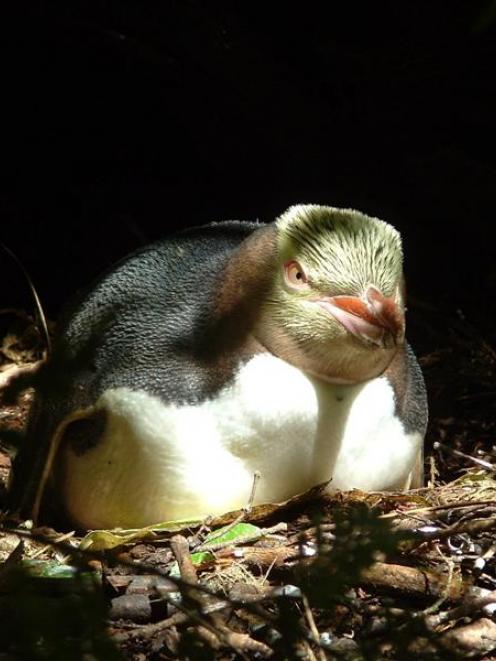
(374, 318)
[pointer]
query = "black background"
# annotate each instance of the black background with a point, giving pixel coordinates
(122, 122)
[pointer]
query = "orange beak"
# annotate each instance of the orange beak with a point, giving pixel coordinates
(375, 318)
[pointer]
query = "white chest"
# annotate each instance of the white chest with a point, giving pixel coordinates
(157, 462)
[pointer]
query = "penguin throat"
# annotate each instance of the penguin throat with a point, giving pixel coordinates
(346, 363)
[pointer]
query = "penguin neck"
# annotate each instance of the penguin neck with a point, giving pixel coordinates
(243, 284)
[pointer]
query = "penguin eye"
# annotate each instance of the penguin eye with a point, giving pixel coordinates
(295, 276)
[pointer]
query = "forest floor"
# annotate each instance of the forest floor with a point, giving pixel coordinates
(349, 576)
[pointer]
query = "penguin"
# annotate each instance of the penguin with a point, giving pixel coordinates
(224, 351)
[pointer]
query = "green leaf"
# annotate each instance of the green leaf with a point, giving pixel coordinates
(101, 540)
(241, 532)
(50, 569)
(201, 559)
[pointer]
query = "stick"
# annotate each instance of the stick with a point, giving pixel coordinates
(458, 453)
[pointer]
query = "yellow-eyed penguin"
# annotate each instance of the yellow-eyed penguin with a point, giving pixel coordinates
(224, 350)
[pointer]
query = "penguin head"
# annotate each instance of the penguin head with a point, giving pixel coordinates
(336, 304)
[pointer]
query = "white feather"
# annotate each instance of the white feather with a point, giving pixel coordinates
(159, 462)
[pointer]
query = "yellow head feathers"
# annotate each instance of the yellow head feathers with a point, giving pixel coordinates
(342, 249)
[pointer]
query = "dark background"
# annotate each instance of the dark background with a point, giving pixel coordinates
(122, 124)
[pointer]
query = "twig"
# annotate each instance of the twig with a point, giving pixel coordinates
(256, 478)
(180, 548)
(149, 630)
(458, 453)
(471, 527)
(39, 307)
(270, 568)
(437, 508)
(205, 629)
(45, 548)
(412, 581)
(433, 472)
(445, 593)
(470, 604)
(215, 626)
(309, 651)
(312, 625)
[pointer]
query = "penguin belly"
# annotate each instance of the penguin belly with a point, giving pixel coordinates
(155, 462)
